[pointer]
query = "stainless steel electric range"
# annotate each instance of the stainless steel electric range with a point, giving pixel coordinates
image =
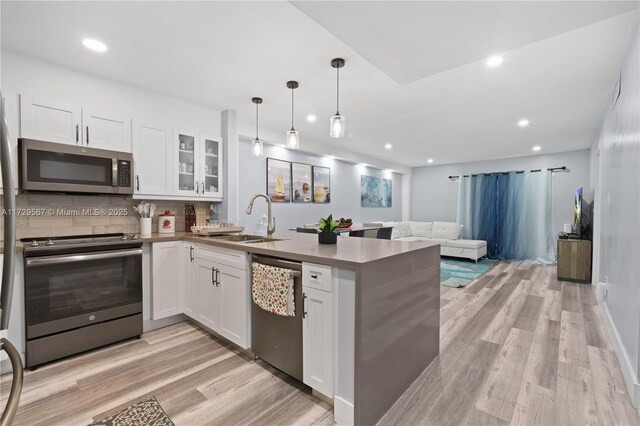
(81, 292)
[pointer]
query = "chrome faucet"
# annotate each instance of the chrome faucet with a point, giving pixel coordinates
(271, 227)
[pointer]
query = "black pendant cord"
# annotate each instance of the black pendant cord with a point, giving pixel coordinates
(292, 128)
(257, 138)
(338, 91)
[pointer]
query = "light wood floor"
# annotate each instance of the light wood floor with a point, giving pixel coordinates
(517, 346)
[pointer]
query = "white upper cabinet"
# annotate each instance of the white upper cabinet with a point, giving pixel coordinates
(211, 170)
(185, 167)
(153, 161)
(50, 121)
(106, 131)
(53, 121)
(197, 165)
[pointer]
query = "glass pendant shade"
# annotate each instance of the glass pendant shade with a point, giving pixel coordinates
(257, 148)
(336, 126)
(293, 139)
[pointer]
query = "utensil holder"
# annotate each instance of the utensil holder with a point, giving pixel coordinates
(145, 226)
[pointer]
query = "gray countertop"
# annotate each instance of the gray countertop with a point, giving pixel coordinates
(349, 251)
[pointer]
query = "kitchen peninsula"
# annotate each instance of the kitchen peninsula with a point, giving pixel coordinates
(384, 296)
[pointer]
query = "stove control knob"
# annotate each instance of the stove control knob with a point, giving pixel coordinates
(34, 243)
(49, 243)
(134, 237)
(124, 237)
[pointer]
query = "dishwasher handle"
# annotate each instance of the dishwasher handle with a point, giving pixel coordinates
(294, 267)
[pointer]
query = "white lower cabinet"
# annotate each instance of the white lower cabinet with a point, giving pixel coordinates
(208, 295)
(317, 333)
(234, 294)
(166, 280)
(189, 273)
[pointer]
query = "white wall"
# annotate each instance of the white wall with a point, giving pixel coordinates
(619, 148)
(24, 74)
(345, 190)
(435, 197)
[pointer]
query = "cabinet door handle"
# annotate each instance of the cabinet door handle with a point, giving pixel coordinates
(87, 135)
(197, 187)
(218, 277)
(315, 276)
(191, 253)
(137, 182)
(213, 277)
(203, 188)
(77, 134)
(304, 306)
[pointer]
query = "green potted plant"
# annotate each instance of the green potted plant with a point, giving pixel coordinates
(327, 228)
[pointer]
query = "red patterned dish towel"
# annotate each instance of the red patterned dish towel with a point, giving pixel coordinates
(272, 289)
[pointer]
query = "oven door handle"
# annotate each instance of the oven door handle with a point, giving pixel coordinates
(56, 260)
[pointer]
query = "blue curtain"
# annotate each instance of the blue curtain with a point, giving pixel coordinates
(511, 211)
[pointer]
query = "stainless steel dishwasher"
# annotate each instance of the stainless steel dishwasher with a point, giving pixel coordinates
(278, 339)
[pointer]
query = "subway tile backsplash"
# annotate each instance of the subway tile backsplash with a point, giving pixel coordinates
(67, 214)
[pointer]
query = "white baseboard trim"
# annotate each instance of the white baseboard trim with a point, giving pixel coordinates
(633, 386)
(343, 412)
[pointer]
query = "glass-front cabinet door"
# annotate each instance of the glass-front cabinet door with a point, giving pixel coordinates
(211, 168)
(186, 167)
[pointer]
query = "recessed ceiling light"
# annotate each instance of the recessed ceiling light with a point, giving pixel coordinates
(388, 146)
(430, 160)
(95, 45)
(494, 61)
(311, 118)
(523, 123)
(536, 148)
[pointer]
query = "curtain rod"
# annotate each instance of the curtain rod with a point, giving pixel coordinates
(551, 169)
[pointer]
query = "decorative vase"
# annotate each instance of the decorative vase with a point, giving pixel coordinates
(327, 238)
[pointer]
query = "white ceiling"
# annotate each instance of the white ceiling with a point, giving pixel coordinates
(415, 74)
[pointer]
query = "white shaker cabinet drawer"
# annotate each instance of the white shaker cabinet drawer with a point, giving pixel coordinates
(317, 276)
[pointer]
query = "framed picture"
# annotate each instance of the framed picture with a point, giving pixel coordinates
(279, 180)
(321, 184)
(301, 179)
(375, 191)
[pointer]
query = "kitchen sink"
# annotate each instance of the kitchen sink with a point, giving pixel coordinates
(247, 238)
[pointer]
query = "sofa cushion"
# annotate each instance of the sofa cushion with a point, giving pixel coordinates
(467, 244)
(400, 230)
(421, 229)
(442, 241)
(412, 239)
(446, 230)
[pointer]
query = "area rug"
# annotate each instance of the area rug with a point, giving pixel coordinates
(459, 273)
(144, 413)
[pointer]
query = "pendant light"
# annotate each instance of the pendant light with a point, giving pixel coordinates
(293, 136)
(336, 123)
(257, 147)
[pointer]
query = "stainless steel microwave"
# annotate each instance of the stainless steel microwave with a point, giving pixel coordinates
(47, 166)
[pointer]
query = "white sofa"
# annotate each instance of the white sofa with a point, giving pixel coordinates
(446, 234)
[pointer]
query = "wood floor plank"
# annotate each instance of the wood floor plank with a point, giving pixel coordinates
(529, 314)
(587, 294)
(500, 327)
(573, 340)
(575, 404)
(612, 400)
(552, 306)
(535, 406)
(500, 392)
(596, 331)
(571, 297)
(542, 365)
